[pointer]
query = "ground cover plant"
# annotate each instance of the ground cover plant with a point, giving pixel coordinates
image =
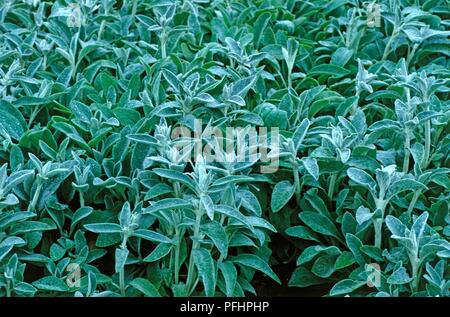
(104, 193)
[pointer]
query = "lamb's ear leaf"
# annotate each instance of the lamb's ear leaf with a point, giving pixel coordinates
(145, 287)
(282, 193)
(206, 270)
(11, 120)
(300, 133)
(256, 263)
(361, 177)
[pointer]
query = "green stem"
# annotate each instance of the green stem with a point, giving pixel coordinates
(387, 49)
(378, 226)
(331, 186)
(122, 269)
(177, 258)
(176, 189)
(35, 197)
(427, 144)
(406, 157)
(100, 30)
(296, 182)
(194, 285)
(8, 289)
(195, 245)
(81, 200)
(413, 202)
(44, 62)
(122, 281)
(415, 269)
(378, 223)
(163, 43)
(289, 78)
(133, 10)
(411, 54)
(33, 115)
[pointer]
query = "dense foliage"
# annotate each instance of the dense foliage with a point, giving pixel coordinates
(96, 199)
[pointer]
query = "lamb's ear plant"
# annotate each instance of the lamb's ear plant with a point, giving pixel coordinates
(119, 175)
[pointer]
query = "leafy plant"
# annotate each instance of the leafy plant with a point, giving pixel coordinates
(205, 148)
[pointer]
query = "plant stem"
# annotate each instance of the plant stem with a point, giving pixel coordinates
(100, 30)
(33, 115)
(81, 200)
(406, 157)
(331, 185)
(37, 193)
(163, 43)
(411, 54)
(289, 78)
(122, 269)
(413, 202)
(176, 189)
(122, 281)
(427, 143)
(177, 257)
(387, 49)
(44, 62)
(296, 181)
(8, 290)
(195, 245)
(415, 268)
(378, 223)
(133, 10)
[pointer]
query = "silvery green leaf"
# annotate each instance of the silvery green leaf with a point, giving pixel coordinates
(174, 175)
(363, 214)
(396, 227)
(404, 185)
(355, 245)
(301, 232)
(282, 193)
(249, 201)
(51, 283)
(4, 250)
(300, 133)
(255, 262)
(31, 226)
(17, 177)
(166, 204)
(346, 286)
(399, 277)
(311, 166)
(10, 200)
(103, 228)
(319, 223)
(419, 225)
(324, 266)
(229, 273)
(143, 285)
(151, 236)
(80, 214)
(11, 120)
(120, 259)
(359, 176)
(311, 252)
(233, 213)
(159, 252)
(208, 204)
(206, 269)
(217, 234)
